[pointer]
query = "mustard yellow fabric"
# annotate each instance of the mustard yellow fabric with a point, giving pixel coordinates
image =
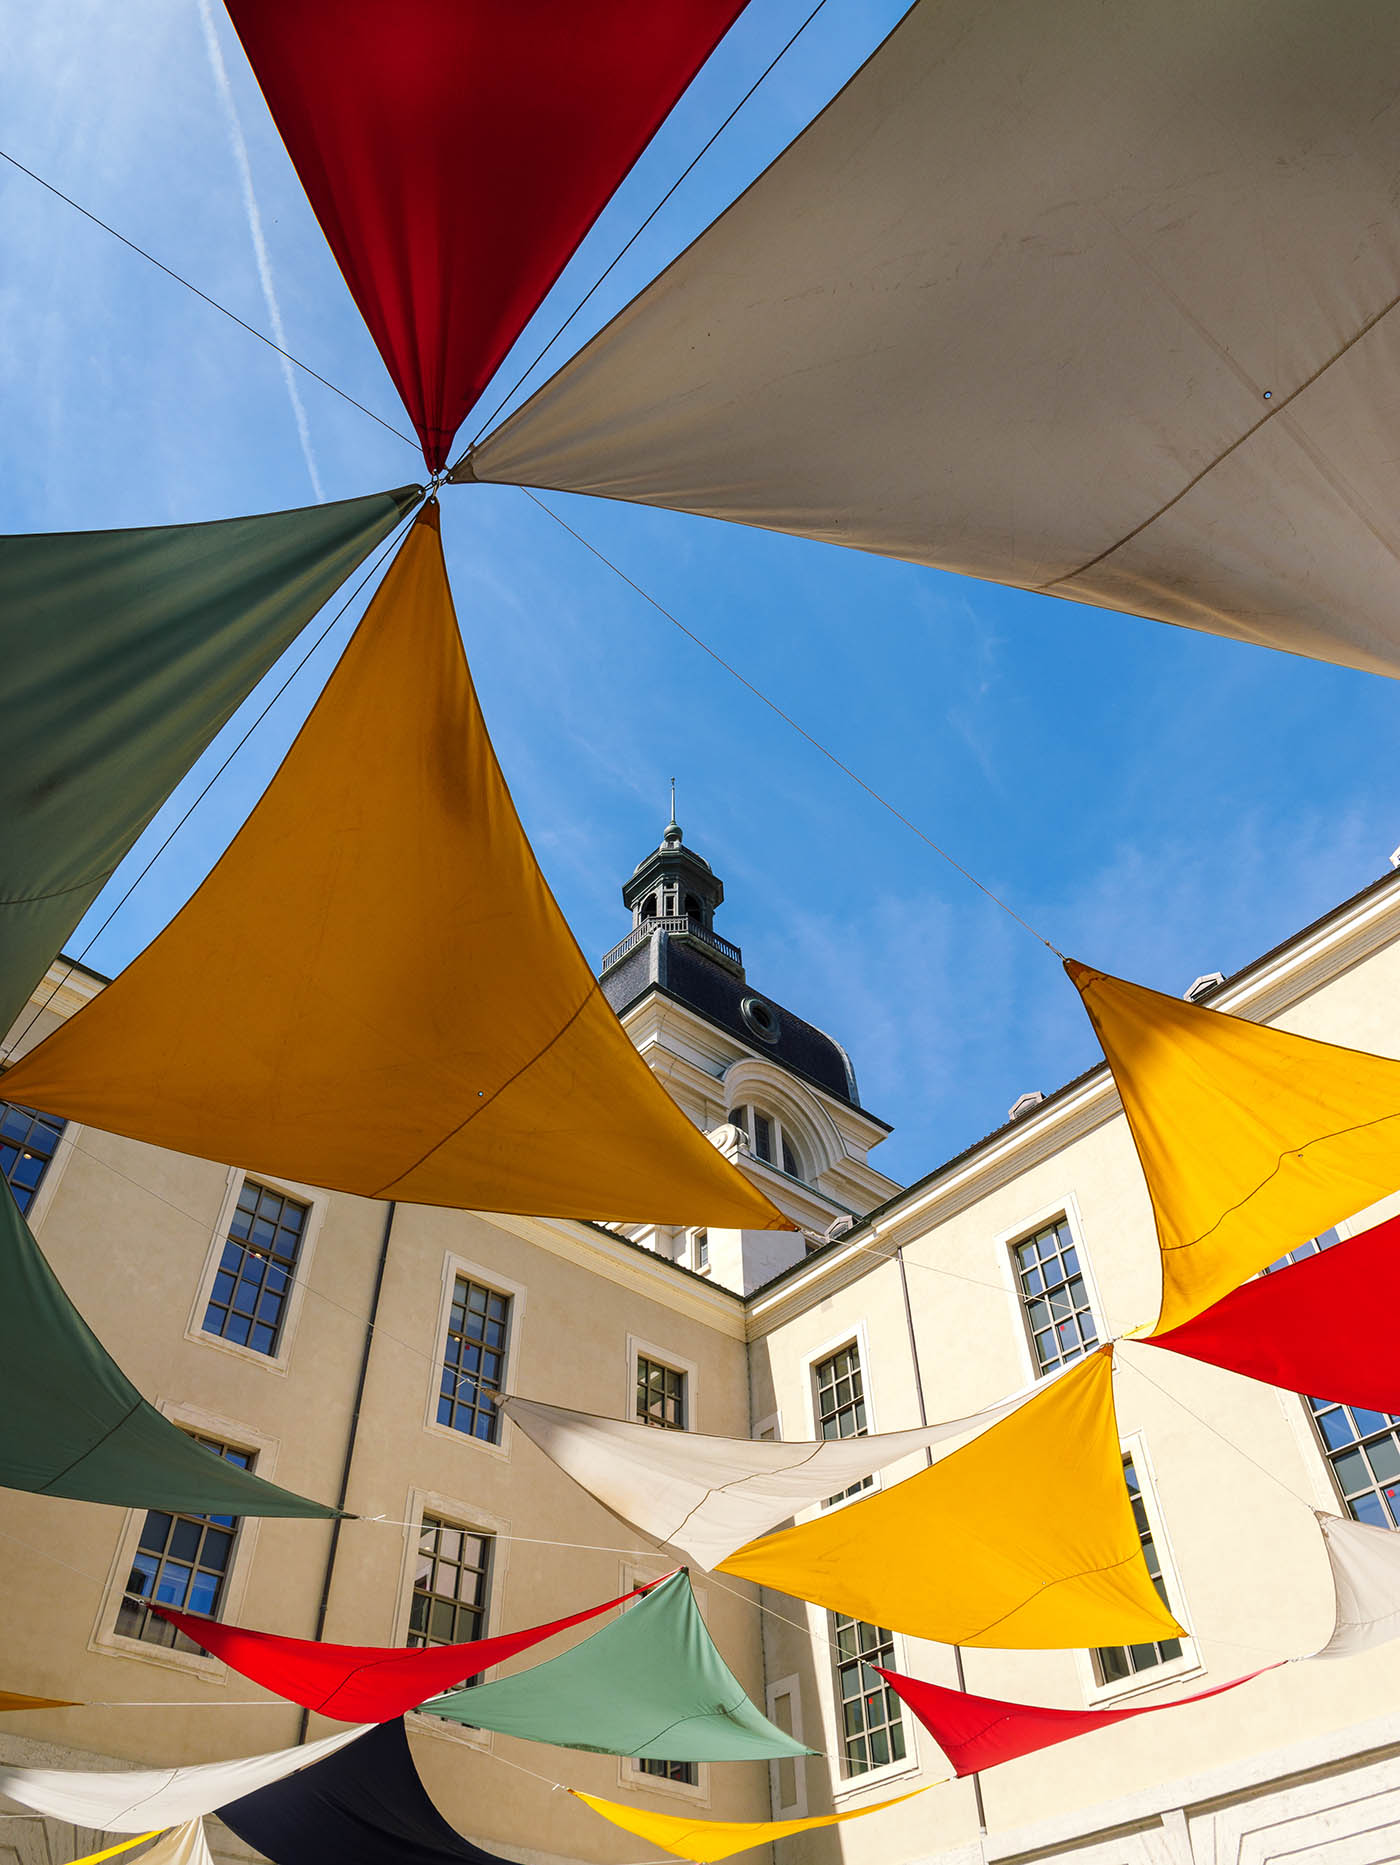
(10, 1700)
(375, 990)
(1251, 1139)
(716, 1839)
(1024, 1538)
(93, 1858)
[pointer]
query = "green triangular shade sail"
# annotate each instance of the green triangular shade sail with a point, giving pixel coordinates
(74, 1425)
(650, 1684)
(124, 653)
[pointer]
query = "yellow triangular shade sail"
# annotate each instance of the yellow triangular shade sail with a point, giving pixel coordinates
(704, 1840)
(1251, 1139)
(375, 991)
(110, 1852)
(1024, 1538)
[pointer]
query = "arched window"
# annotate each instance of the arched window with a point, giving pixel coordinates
(694, 908)
(649, 907)
(768, 1139)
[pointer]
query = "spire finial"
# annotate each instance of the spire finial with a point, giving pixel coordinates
(673, 799)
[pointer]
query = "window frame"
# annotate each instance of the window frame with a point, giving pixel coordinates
(845, 1786)
(1063, 1210)
(639, 1349)
(781, 1136)
(457, 1513)
(104, 1639)
(488, 1277)
(859, 1338)
(48, 1184)
(1190, 1664)
(316, 1202)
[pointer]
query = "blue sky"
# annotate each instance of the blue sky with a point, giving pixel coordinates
(1158, 802)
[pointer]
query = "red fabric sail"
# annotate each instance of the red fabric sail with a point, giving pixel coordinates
(1324, 1326)
(364, 1683)
(455, 153)
(978, 1732)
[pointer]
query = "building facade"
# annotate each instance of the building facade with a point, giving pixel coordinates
(347, 1349)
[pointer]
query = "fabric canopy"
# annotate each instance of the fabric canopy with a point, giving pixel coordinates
(364, 1804)
(1095, 304)
(1365, 1564)
(110, 1852)
(415, 1021)
(981, 1732)
(704, 1840)
(74, 1425)
(1251, 1139)
(1023, 1538)
(455, 153)
(709, 1496)
(362, 1683)
(1322, 1326)
(9, 1700)
(132, 1801)
(124, 652)
(650, 1684)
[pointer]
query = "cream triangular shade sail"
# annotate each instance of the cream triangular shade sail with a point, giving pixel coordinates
(1251, 1139)
(137, 1799)
(1365, 1563)
(375, 991)
(1024, 1538)
(708, 1496)
(182, 1845)
(1097, 302)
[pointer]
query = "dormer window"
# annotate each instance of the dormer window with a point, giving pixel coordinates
(768, 1139)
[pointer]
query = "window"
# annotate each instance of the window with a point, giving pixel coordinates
(474, 1361)
(872, 1728)
(1118, 1661)
(841, 1406)
(768, 1138)
(182, 1561)
(701, 1251)
(28, 1142)
(660, 1395)
(686, 1772)
(1054, 1297)
(1362, 1447)
(451, 1583)
(249, 1296)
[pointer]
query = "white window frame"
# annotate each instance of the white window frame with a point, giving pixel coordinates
(790, 1687)
(475, 1520)
(1064, 1210)
(859, 1337)
(640, 1572)
(639, 1349)
(1176, 1670)
(454, 1266)
(104, 1638)
(845, 1786)
(692, 1250)
(316, 1202)
(53, 1172)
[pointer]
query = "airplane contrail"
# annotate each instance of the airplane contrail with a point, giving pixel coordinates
(250, 203)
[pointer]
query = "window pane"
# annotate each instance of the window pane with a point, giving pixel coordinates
(479, 1321)
(258, 1259)
(872, 1729)
(1117, 1661)
(183, 1560)
(660, 1395)
(1054, 1297)
(28, 1142)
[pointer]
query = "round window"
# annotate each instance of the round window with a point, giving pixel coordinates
(761, 1018)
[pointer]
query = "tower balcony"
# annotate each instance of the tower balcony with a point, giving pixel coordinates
(680, 926)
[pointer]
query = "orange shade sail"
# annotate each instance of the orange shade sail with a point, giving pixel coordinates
(1251, 1139)
(375, 990)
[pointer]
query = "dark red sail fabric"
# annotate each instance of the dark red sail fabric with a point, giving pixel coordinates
(363, 1683)
(979, 1732)
(455, 153)
(1325, 1326)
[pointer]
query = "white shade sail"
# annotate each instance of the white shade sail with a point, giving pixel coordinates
(139, 1799)
(1092, 300)
(710, 1496)
(1366, 1573)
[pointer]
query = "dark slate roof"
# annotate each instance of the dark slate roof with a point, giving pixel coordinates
(679, 969)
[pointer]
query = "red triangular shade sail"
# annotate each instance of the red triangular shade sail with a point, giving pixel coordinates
(1324, 1326)
(455, 153)
(364, 1683)
(978, 1732)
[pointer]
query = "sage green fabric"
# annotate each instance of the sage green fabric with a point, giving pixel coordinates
(123, 654)
(650, 1684)
(72, 1423)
